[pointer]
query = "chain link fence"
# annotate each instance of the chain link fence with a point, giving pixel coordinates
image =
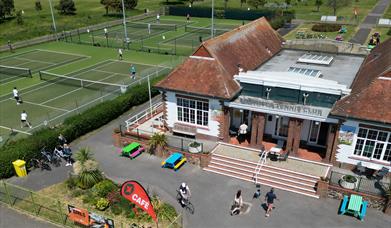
(363, 184)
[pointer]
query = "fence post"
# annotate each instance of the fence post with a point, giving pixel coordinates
(78, 34)
(35, 206)
(7, 193)
(60, 212)
(182, 145)
(359, 184)
(138, 134)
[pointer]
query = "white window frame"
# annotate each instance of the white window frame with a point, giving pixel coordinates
(190, 118)
(312, 123)
(386, 143)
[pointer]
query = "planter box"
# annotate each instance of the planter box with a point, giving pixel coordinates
(347, 185)
(195, 150)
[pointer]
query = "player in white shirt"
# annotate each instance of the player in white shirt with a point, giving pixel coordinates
(120, 53)
(23, 120)
(158, 18)
(16, 95)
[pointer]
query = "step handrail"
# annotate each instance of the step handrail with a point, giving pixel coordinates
(261, 162)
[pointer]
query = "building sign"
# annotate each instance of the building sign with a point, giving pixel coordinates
(88, 219)
(346, 134)
(134, 192)
(299, 109)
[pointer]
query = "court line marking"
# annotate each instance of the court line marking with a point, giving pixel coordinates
(127, 75)
(50, 83)
(145, 64)
(46, 106)
(60, 52)
(12, 81)
(13, 129)
(33, 60)
(80, 88)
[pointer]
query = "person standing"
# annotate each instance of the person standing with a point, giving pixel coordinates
(62, 140)
(188, 18)
(242, 132)
(149, 28)
(16, 96)
(10, 46)
(120, 53)
(132, 72)
(269, 198)
(158, 18)
(23, 120)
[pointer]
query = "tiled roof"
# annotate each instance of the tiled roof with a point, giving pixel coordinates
(371, 97)
(249, 45)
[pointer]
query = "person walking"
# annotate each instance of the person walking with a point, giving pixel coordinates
(16, 96)
(132, 72)
(10, 46)
(158, 18)
(188, 18)
(120, 53)
(238, 203)
(269, 198)
(62, 140)
(23, 120)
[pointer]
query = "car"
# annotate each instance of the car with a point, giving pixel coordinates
(132, 150)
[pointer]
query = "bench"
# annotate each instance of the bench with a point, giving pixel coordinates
(344, 204)
(175, 161)
(136, 153)
(363, 210)
(132, 150)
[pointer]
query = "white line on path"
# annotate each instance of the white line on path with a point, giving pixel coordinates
(13, 129)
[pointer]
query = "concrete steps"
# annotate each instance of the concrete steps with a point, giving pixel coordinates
(271, 176)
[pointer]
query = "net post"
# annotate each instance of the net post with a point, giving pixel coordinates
(78, 34)
(40, 75)
(30, 74)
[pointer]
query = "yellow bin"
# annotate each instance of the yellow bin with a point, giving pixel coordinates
(20, 168)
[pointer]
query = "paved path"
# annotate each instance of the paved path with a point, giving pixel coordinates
(370, 22)
(212, 193)
(11, 219)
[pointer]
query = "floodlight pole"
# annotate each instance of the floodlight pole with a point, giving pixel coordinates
(124, 18)
(150, 97)
(54, 22)
(212, 27)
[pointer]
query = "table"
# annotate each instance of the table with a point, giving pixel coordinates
(354, 205)
(275, 150)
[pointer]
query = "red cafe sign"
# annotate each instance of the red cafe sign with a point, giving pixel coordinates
(134, 192)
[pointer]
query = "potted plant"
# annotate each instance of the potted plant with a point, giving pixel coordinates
(195, 147)
(157, 143)
(348, 182)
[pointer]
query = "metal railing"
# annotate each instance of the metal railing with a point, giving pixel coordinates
(261, 162)
(143, 115)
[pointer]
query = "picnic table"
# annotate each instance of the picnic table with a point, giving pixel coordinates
(175, 161)
(132, 150)
(355, 206)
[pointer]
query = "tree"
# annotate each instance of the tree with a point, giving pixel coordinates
(336, 4)
(130, 4)
(86, 169)
(66, 7)
(7, 7)
(318, 3)
(225, 4)
(256, 3)
(38, 6)
(157, 143)
(241, 3)
(19, 17)
(116, 5)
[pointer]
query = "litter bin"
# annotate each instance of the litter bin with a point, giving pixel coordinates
(20, 168)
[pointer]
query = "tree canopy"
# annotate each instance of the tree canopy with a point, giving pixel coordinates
(116, 5)
(66, 7)
(7, 7)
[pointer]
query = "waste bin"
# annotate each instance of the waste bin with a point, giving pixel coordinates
(20, 168)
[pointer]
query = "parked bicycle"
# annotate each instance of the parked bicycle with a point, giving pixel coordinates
(39, 163)
(50, 157)
(187, 204)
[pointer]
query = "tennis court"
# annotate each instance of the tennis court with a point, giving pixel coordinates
(25, 64)
(59, 96)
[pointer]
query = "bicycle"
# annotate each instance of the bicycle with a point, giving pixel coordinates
(50, 157)
(188, 205)
(39, 163)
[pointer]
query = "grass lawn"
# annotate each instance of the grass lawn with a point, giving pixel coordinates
(306, 10)
(53, 102)
(387, 14)
(88, 12)
(306, 27)
(383, 34)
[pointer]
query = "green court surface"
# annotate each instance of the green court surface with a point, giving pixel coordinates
(34, 60)
(70, 87)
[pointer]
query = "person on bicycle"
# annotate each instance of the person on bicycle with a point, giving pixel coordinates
(184, 192)
(238, 203)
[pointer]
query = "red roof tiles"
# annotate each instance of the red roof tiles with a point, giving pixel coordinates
(249, 45)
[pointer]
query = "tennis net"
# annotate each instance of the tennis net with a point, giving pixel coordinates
(205, 30)
(84, 83)
(155, 26)
(15, 71)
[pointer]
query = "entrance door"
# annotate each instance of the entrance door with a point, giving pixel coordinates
(281, 128)
(314, 132)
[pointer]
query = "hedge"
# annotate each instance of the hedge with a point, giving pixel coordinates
(325, 27)
(72, 127)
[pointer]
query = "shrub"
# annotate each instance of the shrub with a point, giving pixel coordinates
(103, 188)
(71, 183)
(87, 179)
(116, 209)
(277, 23)
(350, 178)
(89, 198)
(325, 27)
(76, 193)
(389, 32)
(72, 128)
(102, 204)
(194, 144)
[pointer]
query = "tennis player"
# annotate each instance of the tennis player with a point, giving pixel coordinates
(23, 120)
(132, 71)
(16, 96)
(120, 53)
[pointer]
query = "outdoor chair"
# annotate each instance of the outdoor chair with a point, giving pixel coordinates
(283, 157)
(360, 168)
(381, 173)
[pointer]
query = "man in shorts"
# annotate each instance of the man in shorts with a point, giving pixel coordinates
(269, 198)
(23, 120)
(16, 95)
(158, 18)
(132, 72)
(120, 53)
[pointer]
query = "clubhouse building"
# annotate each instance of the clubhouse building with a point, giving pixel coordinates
(335, 106)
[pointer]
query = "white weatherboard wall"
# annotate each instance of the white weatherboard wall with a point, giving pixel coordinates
(215, 112)
(345, 152)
